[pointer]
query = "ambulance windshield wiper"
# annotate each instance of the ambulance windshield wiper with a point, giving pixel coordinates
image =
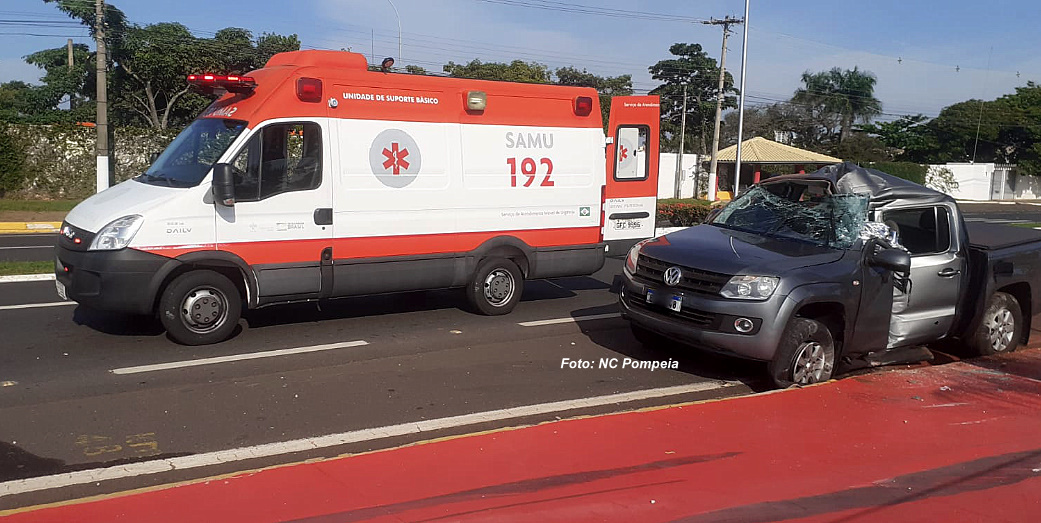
(157, 177)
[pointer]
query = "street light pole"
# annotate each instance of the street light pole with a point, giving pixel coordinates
(741, 104)
(399, 26)
(102, 97)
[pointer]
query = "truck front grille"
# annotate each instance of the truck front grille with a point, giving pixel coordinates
(702, 320)
(694, 280)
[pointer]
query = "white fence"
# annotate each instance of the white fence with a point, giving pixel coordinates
(667, 175)
(988, 181)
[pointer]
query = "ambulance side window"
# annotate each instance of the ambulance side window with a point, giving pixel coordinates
(631, 160)
(281, 158)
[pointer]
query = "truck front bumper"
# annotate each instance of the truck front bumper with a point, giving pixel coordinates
(706, 322)
(117, 281)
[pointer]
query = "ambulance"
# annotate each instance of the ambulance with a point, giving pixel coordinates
(316, 177)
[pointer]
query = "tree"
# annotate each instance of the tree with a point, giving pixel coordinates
(607, 86)
(849, 94)
(515, 71)
(694, 69)
(784, 122)
(908, 135)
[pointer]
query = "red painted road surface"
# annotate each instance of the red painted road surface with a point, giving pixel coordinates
(959, 442)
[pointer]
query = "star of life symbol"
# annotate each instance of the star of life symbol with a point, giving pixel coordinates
(623, 153)
(395, 158)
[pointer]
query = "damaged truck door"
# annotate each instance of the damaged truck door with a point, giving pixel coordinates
(834, 270)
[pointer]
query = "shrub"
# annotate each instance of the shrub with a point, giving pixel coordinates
(940, 178)
(12, 163)
(909, 171)
(683, 212)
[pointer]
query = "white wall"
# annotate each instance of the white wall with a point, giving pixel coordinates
(973, 180)
(667, 175)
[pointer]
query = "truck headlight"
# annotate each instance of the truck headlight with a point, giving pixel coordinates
(633, 257)
(117, 234)
(750, 287)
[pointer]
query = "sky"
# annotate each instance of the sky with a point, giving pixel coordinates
(926, 54)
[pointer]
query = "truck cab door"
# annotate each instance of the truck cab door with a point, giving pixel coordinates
(281, 223)
(937, 273)
(631, 192)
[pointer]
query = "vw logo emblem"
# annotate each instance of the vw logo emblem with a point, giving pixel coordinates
(672, 276)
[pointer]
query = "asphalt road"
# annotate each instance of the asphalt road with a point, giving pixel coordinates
(64, 409)
(27, 247)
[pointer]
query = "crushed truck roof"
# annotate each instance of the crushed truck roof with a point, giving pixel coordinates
(884, 189)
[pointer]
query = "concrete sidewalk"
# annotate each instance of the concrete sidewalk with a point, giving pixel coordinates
(958, 442)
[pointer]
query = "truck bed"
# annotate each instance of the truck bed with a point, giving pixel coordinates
(990, 236)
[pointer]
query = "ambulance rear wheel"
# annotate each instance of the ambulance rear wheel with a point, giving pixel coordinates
(200, 308)
(496, 287)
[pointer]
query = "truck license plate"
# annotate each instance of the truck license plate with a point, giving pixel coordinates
(675, 303)
(61, 289)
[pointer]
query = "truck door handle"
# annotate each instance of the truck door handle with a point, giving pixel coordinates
(948, 273)
(323, 216)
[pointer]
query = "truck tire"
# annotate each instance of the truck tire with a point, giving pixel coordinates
(200, 308)
(496, 287)
(806, 354)
(1001, 327)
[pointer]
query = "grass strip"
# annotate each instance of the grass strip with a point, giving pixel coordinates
(8, 268)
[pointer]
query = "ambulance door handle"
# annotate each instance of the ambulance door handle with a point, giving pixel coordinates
(323, 216)
(629, 216)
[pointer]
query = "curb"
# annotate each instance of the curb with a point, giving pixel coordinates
(29, 227)
(18, 278)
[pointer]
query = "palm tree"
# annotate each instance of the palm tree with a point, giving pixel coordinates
(848, 94)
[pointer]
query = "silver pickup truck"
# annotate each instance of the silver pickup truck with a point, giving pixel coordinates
(825, 272)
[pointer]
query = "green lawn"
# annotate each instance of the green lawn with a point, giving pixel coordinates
(694, 201)
(1027, 225)
(16, 267)
(38, 205)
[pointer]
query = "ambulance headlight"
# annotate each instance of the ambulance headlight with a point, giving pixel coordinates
(750, 287)
(117, 234)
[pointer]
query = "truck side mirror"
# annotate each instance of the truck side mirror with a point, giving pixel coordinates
(223, 184)
(896, 260)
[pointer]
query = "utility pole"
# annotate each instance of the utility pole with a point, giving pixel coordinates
(741, 104)
(679, 158)
(102, 124)
(71, 63)
(726, 23)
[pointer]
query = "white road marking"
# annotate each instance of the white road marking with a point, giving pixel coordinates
(18, 278)
(572, 319)
(29, 247)
(555, 285)
(35, 305)
(237, 357)
(22, 486)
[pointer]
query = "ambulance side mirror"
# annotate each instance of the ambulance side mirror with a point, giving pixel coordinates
(223, 184)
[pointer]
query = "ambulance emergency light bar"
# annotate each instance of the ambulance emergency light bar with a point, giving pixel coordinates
(232, 83)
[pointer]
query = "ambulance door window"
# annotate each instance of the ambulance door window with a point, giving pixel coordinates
(631, 160)
(280, 158)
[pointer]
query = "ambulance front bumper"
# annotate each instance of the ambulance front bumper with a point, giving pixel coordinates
(117, 281)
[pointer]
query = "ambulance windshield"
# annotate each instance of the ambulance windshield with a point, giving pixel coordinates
(190, 156)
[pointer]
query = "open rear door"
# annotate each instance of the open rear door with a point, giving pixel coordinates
(631, 193)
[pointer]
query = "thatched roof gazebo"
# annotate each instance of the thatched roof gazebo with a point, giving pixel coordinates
(757, 153)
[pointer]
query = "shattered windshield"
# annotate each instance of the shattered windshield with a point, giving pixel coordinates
(800, 212)
(190, 156)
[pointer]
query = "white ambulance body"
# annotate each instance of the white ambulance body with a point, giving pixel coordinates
(315, 178)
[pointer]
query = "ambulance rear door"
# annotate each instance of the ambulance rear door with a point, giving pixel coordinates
(631, 193)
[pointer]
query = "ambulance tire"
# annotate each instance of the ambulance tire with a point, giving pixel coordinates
(496, 287)
(200, 308)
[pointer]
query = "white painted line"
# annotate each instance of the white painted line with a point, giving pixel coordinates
(555, 285)
(573, 319)
(35, 305)
(18, 278)
(236, 357)
(28, 247)
(22, 486)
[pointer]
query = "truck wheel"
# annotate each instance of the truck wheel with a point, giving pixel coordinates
(1001, 327)
(200, 308)
(496, 287)
(806, 354)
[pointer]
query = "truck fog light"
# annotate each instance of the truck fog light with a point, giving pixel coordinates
(743, 325)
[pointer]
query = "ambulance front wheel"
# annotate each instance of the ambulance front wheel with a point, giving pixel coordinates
(496, 287)
(200, 308)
